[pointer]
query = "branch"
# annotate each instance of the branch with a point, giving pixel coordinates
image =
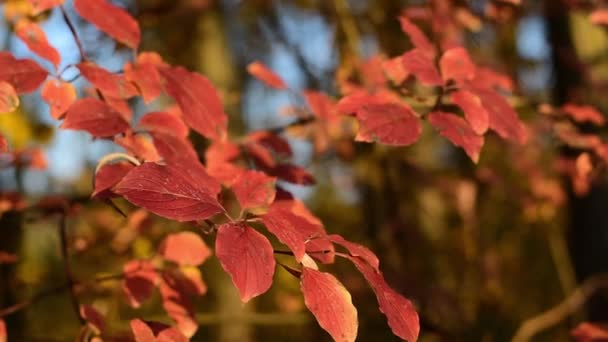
(558, 313)
(74, 34)
(71, 281)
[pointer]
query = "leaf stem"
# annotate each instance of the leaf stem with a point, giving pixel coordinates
(73, 31)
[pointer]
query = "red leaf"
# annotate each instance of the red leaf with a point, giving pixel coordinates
(473, 109)
(24, 75)
(95, 117)
(140, 281)
(165, 123)
(395, 70)
(401, 314)
(185, 248)
(320, 104)
(93, 317)
(458, 131)
(354, 102)
(456, 65)
(3, 334)
(330, 303)
(422, 66)
(9, 100)
(584, 114)
(59, 95)
(254, 189)
(418, 38)
(39, 6)
(34, 37)
(488, 78)
(109, 175)
(176, 291)
(588, 332)
(111, 19)
(356, 250)
(169, 192)
(503, 118)
(599, 16)
(247, 256)
(390, 124)
(198, 100)
(112, 85)
(3, 144)
(155, 332)
(270, 140)
(138, 145)
(260, 71)
(145, 75)
(292, 230)
(292, 174)
(180, 153)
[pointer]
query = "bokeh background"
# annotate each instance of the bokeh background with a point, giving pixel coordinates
(479, 249)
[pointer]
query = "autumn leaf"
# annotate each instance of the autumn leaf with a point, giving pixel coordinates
(247, 256)
(456, 65)
(140, 280)
(254, 189)
(9, 100)
(108, 176)
(164, 123)
(330, 303)
(138, 145)
(401, 314)
(389, 124)
(264, 74)
(144, 73)
(93, 317)
(110, 84)
(589, 332)
(395, 70)
(458, 131)
(581, 113)
(59, 95)
(502, 117)
(95, 117)
(39, 6)
(356, 250)
(3, 144)
(144, 331)
(34, 37)
(169, 192)
(473, 109)
(3, 334)
(198, 100)
(185, 248)
(417, 37)
(422, 66)
(111, 19)
(272, 141)
(599, 16)
(292, 173)
(24, 75)
(291, 229)
(177, 290)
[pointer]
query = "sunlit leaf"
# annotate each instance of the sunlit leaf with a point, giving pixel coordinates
(111, 19)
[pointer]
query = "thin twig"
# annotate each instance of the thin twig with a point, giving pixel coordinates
(71, 281)
(64, 13)
(558, 313)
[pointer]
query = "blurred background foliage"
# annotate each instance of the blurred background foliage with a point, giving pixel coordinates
(478, 248)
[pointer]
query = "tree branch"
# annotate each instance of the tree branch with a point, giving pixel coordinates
(558, 313)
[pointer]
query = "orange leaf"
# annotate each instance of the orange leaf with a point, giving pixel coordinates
(473, 109)
(584, 114)
(111, 19)
(35, 39)
(39, 6)
(9, 101)
(59, 95)
(185, 248)
(260, 71)
(112, 85)
(330, 303)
